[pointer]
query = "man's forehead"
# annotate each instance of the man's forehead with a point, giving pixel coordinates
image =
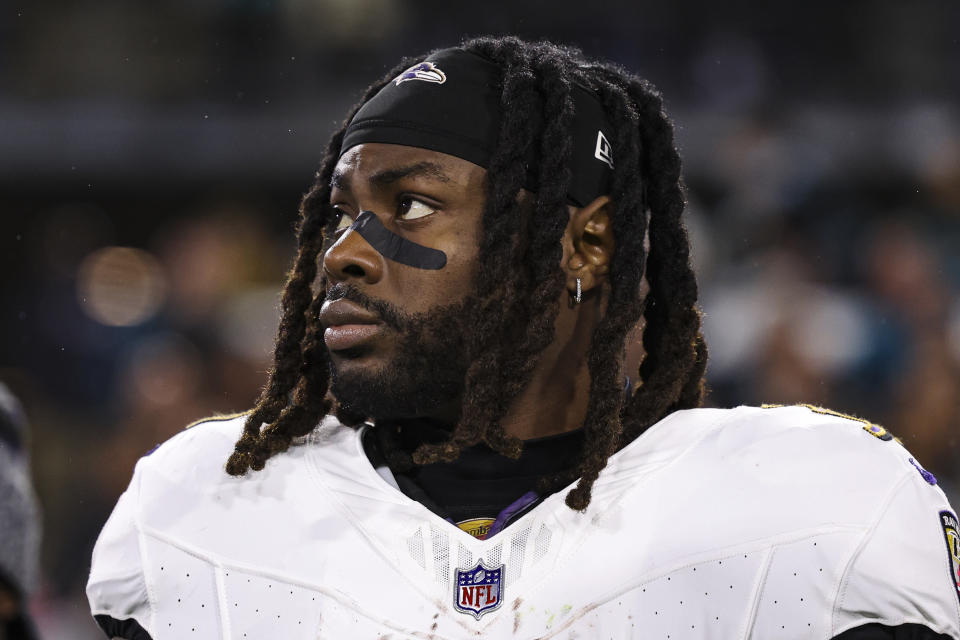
(385, 163)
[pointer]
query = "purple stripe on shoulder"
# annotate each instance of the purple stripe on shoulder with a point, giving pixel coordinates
(926, 475)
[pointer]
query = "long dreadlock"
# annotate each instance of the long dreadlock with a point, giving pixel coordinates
(519, 281)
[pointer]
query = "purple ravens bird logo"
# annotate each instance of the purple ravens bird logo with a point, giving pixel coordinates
(426, 71)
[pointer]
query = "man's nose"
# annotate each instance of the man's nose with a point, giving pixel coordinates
(352, 257)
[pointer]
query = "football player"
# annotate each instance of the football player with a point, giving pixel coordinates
(449, 444)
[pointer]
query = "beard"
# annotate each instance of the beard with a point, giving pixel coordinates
(428, 368)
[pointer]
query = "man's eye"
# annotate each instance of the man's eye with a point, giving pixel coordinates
(411, 209)
(344, 220)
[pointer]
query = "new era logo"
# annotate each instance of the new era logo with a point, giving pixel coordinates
(604, 151)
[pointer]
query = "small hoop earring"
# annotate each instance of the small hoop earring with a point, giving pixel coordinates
(579, 296)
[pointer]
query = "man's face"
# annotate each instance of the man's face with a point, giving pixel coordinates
(395, 332)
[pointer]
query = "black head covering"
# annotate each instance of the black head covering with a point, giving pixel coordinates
(450, 103)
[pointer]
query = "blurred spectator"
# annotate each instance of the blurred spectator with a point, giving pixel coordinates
(19, 523)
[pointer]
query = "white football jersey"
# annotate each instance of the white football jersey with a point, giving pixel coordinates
(781, 523)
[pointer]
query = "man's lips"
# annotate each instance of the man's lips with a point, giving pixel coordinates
(346, 336)
(347, 324)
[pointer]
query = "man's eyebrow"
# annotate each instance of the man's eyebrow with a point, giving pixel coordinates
(339, 180)
(425, 169)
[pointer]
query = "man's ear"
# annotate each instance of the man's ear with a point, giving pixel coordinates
(588, 245)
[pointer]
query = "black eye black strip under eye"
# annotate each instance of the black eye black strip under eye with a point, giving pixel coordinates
(393, 247)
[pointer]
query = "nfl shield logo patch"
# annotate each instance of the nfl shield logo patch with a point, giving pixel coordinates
(478, 590)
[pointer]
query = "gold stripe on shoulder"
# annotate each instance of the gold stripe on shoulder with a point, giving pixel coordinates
(836, 414)
(873, 429)
(814, 408)
(218, 418)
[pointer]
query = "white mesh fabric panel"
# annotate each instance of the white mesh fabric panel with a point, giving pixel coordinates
(541, 544)
(518, 547)
(440, 542)
(493, 556)
(415, 547)
(464, 557)
(185, 588)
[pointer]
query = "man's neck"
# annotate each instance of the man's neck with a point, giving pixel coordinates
(555, 400)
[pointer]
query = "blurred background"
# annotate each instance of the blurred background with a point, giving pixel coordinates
(152, 156)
